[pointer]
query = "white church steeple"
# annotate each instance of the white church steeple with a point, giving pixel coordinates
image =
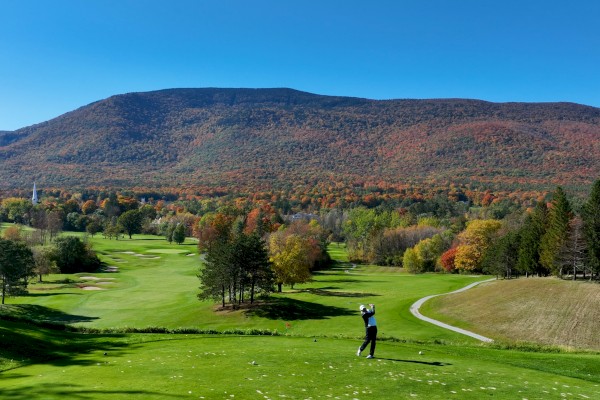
(34, 198)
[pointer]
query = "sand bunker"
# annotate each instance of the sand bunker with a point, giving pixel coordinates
(92, 288)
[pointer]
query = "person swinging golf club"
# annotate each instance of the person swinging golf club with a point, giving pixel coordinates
(371, 328)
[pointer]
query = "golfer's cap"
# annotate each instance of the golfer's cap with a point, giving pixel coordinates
(362, 307)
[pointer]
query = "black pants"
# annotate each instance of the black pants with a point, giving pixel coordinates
(371, 336)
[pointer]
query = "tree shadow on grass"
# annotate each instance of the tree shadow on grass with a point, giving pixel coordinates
(325, 292)
(292, 309)
(40, 314)
(34, 344)
(434, 363)
(70, 391)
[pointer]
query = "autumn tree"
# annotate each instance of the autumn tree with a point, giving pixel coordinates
(290, 258)
(447, 259)
(474, 241)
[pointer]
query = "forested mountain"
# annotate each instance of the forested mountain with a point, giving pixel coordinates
(253, 139)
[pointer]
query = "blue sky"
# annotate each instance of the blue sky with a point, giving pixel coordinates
(58, 55)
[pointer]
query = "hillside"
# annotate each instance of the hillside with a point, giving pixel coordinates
(250, 139)
(538, 310)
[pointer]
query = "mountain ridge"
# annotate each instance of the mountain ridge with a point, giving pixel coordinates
(252, 139)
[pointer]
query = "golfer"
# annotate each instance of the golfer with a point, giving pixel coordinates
(371, 328)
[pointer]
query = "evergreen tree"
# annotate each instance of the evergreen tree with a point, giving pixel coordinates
(573, 253)
(502, 256)
(179, 234)
(559, 216)
(591, 228)
(528, 261)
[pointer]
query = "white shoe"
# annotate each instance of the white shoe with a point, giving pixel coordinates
(358, 352)
(370, 356)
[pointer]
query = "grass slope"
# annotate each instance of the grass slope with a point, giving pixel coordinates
(541, 310)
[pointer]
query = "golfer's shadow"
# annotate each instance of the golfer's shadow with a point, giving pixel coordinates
(435, 363)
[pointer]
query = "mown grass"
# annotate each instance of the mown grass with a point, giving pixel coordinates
(312, 355)
(157, 366)
(160, 289)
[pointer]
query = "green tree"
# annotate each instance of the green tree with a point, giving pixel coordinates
(502, 255)
(16, 266)
(411, 261)
(591, 228)
(131, 221)
(214, 277)
(179, 234)
(532, 231)
(73, 255)
(44, 264)
(559, 215)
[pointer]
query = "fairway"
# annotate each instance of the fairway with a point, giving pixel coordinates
(308, 352)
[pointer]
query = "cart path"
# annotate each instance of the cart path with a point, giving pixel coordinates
(414, 309)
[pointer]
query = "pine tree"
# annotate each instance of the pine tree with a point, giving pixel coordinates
(559, 216)
(591, 228)
(528, 261)
(573, 253)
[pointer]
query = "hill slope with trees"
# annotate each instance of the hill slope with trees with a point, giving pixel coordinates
(252, 139)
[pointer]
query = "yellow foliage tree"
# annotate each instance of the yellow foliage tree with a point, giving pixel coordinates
(474, 241)
(290, 258)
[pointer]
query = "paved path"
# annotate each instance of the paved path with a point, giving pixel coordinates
(414, 309)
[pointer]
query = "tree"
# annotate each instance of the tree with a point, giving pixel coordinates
(534, 227)
(89, 207)
(16, 265)
(290, 258)
(447, 259)
(131, 221)
(474, 241)
(502, 255)
(411, 261)
(178, 233)
(591, 228)
(215, 277)
(44, 264)
(573, 253)
(72, 255)
(559, 215)
(235, 266)
(93, 227)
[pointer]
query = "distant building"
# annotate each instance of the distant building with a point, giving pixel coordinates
(34, 197)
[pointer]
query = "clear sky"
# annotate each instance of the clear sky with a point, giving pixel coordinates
(58, 55)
